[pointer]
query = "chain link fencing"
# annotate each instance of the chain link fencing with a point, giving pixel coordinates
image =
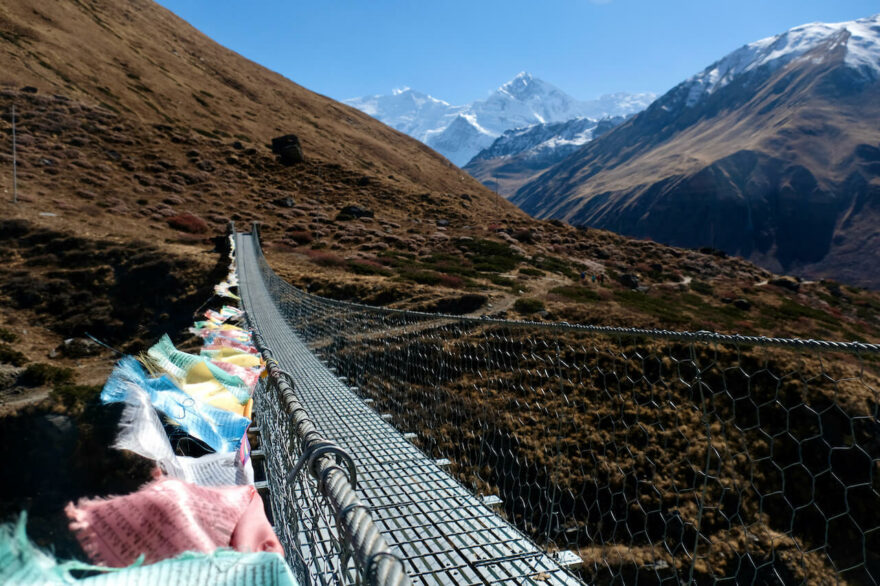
(658, 457)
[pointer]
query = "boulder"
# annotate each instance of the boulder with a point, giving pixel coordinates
(284, 202)
(288, 149)
(789, 283)
(79, 348)
(629, 280)
(356, 211)
(743, 304)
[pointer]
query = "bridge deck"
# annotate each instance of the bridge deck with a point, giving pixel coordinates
(444, 534)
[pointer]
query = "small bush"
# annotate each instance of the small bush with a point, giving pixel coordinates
(489, 256)
(524, 236)
(553, 264)
(528, 306)
(502, 281)
(301, 236)
(422, 277)
(701, 287)
(7, 335)
(188, 223)
(531, 272)
(451, 281)
(74, 395)
(325, 259)
(9, 355)
(575, 293)
(39, 374)
(367, 267)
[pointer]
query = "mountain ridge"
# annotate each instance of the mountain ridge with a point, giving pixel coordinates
(789, 126)
(523, 101)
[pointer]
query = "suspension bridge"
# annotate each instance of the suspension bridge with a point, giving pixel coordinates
(402, 447)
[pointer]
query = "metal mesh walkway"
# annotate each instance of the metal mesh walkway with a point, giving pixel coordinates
(444, 534)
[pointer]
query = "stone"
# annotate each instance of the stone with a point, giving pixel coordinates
(356, 211)
(442, 223)
(284, 202)
(629, 280)
(79, 348)
(288, 149)
(789, 283)
(743, 304)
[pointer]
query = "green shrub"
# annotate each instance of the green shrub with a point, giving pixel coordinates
(502, 281)
(8, 336)
(39, 374)
(553, 264)
(531, 272)
(701, 287)
(575, 293)
(9, 355)
(325, 259)
(301, 236)
(367, 267)
(489, 256)
(189, 223)
(528, 306)
(421, 276)
(73, 395)
(792, 310)
(662, 308)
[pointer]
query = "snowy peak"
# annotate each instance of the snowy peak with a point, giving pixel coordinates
(522, 86)
(409, 111)
(460, 132)
(861, 38)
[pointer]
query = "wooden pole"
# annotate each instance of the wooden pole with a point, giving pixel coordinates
(14, 161)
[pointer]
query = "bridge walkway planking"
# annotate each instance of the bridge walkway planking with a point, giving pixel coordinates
(444, 534)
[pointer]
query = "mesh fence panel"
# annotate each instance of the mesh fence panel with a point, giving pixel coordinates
(658, 457)
(297, 504)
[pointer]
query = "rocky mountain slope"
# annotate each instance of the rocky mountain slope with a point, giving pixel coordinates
(768, 153)
(519, 156)
(139, 138)
(460, 132)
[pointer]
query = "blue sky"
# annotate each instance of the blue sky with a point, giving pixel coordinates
(461, 50)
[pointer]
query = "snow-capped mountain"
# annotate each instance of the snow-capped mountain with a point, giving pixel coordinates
(460, 132)
(522, 154)
(408, 111)
(771, 153)
(560, 138)
(860, 39)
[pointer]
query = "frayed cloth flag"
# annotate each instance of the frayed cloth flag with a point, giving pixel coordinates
(168, 517)
(248, 375)
(233, 356)
(229, 311)
(226, 343)
(141, 432)
(23, 564)
(223, 290)
(192, 369)
(221, 429)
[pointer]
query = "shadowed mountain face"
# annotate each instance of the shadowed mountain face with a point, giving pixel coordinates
(520, 155)
(778, 162)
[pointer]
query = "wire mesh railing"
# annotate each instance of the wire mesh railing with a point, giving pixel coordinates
(328, 535)
(325, 529)
(659, 457)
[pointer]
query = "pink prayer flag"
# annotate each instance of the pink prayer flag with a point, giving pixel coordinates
(168, 517)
